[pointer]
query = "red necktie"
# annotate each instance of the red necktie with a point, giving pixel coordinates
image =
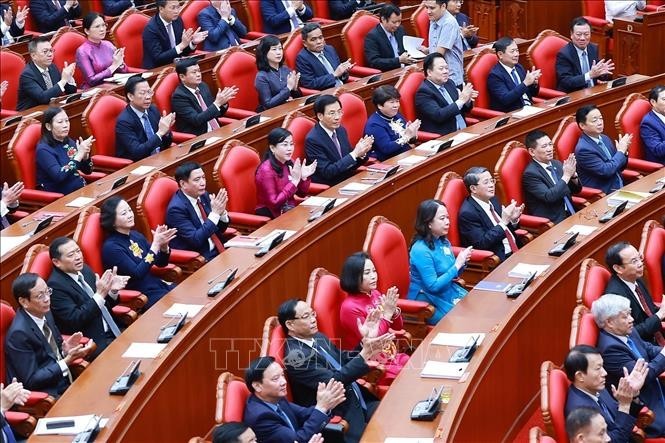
(509, 235)
(215, 240)
(213, 122)
(640, 295)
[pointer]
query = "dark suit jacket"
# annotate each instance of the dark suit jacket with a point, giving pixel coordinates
(463, 20)
(49, 18)
(192, 235)
(343, 9)
(157, 50)
(219, 31)
(435, 114)
(32, 88)
(593, 167)
(117, 7)
(569, 75)
(652, 132)
(542, 197)
(330, 167)
(14, 30)
(378, 50)
(306, 368)
(275, 18)
(645, 325)
(619, 424)
(269, 426)
(477, 230)
(617, 355)
(190, 117)
(73, 310)
(29, 358)
(505, 96)
(313, 74)
(131, 141)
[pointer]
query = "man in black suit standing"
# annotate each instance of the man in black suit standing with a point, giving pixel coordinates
(547, 183)
(40, 80)
(577, 63)
(627, 268)
(384, 48)
(439, 104)
(195, 108)
(81, 301)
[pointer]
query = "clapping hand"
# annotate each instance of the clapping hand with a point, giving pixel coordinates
(83, 148)
(218, 202)
(161, 237)
(3, 87)
(532, 76)
(292, 80)
(363, 146)
(225, 95)
(600, 68)
(468, 93)
(21, 15)
(463, 257)
(329, 395)
(10, 195)
(388, 302)
(118, 58)
(370, 327)
(165, 124)
(68, 72)
(411, 130)
(623, 143)
(295, 172)
(12, 394)
(569, 167)
(199, 36)
(306, 171)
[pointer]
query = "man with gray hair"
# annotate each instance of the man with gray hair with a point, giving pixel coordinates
(621, 347)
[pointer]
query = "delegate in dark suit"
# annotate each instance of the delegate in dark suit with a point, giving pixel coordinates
(477, 230)
(595, 169)
(29, 358)
(190, 117)
(505, 95)
(569, 75)
(619, 424)
(434, 112)
(467, 42)
(379, 53)
(313, 74)
(73, 310)
(269, 426)
(617, 355)
(306, 368)
(343, 9)
(645, 325)
(157, 50)
(192, 234)
(276, 19)
(331, 168)
(543, 198)
(32, 89)
(652, 132)
(131, 140)
(221, 34)
(117, 7)
(14, 30)
(48, 17)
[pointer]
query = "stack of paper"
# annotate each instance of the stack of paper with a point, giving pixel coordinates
(633, 198)
(80, 202)
(247, 241)
(7, 243)
(144, 350)
(462, 137)
(411, 45)
(527, 111)
(459, 340)
(141, 170)
(80, 423)
(411, 160)
(581, 229)
(524, 270)
(320, 201)
(177, 309)
(354, 188)
(443, 369)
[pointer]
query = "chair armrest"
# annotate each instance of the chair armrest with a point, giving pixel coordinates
(23, 424)
(487, 258)
(484, 113)
(169, 272)
(630, 176)
(132, 299)
(110, 163)
(40, 197)
(579, 202)
(470, 121)
(316, 188)
(591, 194)
(255, 35)
(189, 261)
(524, 235)
(424, 136)
(241, 219)
(79, 365)
(37, 404)
(135, 70)
(415, 307)
(548, 93)
(307, 91)
(376, 372)
(644, 418)
(179, 137)
(238, 113)
(597, 22)
(535, 224)
(637, 164)
(363, 71)
(336, 425)
(93, 177)
(124, 315)
(4, 113)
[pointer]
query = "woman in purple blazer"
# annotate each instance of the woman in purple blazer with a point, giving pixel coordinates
(278, 179)
(275, 83)
(98, 58)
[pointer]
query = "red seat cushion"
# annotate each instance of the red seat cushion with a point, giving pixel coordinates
(238, 68)
(595, 281)
(511, 173)
(292, 47)
(11, 66)
(128, 33)
(477, 72)
(155, 200)
(326, 297)
(407, 86)
(566, 138)
(65, 45)
(90, 237)
(542, 53)
(629, 119)
(235, 400)
(453, 196)
(386, 245)
(236, 171)
(299, 127)
(354, 117)
(354, 34)
(587, 330)
(190, 12)
(99, 118)
(557, 385)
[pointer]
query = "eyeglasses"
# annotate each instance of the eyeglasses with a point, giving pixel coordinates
(47, 51)
(581, 34)
(306, 316)
(42, 296)
(339, 112)
(637, 260)
(489, 181)
(596, 119)
(146, 93)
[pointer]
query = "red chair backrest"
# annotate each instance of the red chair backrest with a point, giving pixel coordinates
(164, 86)
(653, 249)
(594, 8)
(154, 199)
(238, 67)
(593, 280)
(253, 8)
(96, 5)
(292, 47)
(128, 33)
(407, 86)
(7, 315)
(566, 137)
(386, 245)
(235, 170)
(553, 394)
(299, 125)
(325, 296)
(99, 119)
(65, 43)
(354, 117)
(452, 192)
(320, 8)
(11, 66)
(353, 35)
(90, 237)
(477, 72)
(273, 340)
(584, 329)
(420, 23)
(232, 395)
(37, 260)
(509, 169)
(30, 24)
(23, 146)
(542, 54)
(189, 13)
(628, 121)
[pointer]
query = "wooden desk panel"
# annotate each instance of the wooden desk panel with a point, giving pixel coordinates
(638, 43)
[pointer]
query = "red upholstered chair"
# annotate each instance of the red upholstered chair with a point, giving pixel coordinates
(166, 82)
(234, 170)
(508, 173)
(542, 54)
(21, 152)
(299, 125)
(653, 5)
(232, 395)
(553, 394)
(652, 248)
(537, 435)
(354, 117)
(320, 8)
(628, 121)
(238, 67)
(594, 12)
(325, 296)
(292, 47)
(452, 192)
(386, 245)
(127, 32)
(255, 25)
(11, 66)
(65, 42)
(30, 25)
(190, 11)
(477, 71)
(583, 330)
(407, 85)
(353, 36)
(420, 23)
(592, 282)
(151, 206)
(98, 120)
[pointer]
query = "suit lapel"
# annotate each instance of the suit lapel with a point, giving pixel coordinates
(38, 75)
(437, 94)
(192, 98)
(573, 55)
(323, 135)
(190, 209)
(481, 212)
(38, 334)
(67, 280)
